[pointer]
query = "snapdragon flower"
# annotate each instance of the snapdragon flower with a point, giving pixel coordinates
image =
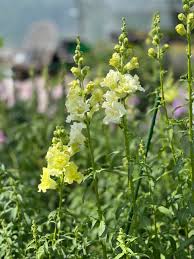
(46, 181)
(58, 160)
(111, 80)
(71, 174)
(122, 84)
(76, 136)
(76, 104)
(114, 110)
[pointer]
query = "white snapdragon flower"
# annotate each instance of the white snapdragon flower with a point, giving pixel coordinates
(131, 83)
(76, 107)
(114, 110)
(76, 136)
(75, 104)
(111, 80)
(122, 84)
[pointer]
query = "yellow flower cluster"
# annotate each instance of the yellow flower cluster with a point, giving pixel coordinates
(59, 164)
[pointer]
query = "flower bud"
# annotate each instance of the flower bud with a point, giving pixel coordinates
(190, 18)
(126, 42)
(121, 37)
(166, 46)
(122, 49)
(152, 53)
(80, 61)
(85, 71)
(132, 64)
(182, 17)
(180, 29)
(115, 60)
(156, 40)
(76, 58)
(117, 48)
(89, 87)
(186, 8)
(75, 71)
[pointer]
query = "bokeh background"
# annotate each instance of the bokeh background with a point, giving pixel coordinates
(38, 42)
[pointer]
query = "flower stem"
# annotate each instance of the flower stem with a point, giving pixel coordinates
(190, 78)
(147, 148)
(163, 101)
(95, 181)
(58, 216)
(127, 154)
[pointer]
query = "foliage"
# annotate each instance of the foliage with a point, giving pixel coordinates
(118, 180)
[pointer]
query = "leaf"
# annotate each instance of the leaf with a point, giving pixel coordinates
(119, 256)
(165, 211)
(14, 212)
(101, 228)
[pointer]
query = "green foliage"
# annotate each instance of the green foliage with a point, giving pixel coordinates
(104, 216)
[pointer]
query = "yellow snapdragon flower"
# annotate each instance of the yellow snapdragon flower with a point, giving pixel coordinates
(71, 174)
(57, 158)
(46, 181)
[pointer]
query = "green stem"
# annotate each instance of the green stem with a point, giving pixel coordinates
(164, 107)
(127, 153)
(126, 137)
(190, 90)
(58, 216)
(95, 181)
(147, 148)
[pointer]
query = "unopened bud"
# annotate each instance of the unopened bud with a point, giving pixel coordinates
(152, 53)
(115, 60)
(186, 8)
(180, 29)
(182, 17)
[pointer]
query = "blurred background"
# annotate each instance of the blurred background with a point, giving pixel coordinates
(33, 31)
(37, 45)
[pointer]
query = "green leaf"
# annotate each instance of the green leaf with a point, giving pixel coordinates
(165, 211)
(119, 256)
(101, 228)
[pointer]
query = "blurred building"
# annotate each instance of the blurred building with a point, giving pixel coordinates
(93, 20)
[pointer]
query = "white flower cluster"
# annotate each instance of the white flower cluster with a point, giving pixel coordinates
(81, 102)
(114, 109)
(119, 87)
(76, 136)
(75, 104)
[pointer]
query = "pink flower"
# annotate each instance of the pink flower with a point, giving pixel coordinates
(57, 92)
(2, 137)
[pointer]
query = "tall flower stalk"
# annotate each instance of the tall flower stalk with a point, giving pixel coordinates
(185, 29)
(89, 97)
(156, 52)
(120, 84)
(59, 170)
